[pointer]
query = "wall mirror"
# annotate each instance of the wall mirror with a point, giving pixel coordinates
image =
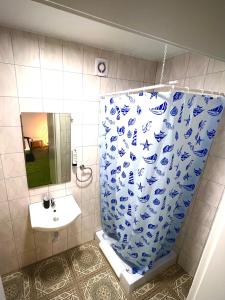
(47, 148)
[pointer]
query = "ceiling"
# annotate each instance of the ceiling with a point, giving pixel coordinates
(42, 19)
(195, 25)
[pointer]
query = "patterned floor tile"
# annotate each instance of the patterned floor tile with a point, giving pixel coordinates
(173, 283)
(165, 294)
(83, 273)
(87, 259)
(52, 275)
(102, 286)
(182, 286)
(17, 286)
(67, 294)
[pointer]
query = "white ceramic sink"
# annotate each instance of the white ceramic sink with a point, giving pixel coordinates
(65, 212)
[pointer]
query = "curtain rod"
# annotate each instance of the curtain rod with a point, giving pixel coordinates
(171, 86)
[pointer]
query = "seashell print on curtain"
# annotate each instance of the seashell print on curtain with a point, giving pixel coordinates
(153, 147)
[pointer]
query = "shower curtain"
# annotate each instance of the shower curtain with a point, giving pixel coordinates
(153, 147)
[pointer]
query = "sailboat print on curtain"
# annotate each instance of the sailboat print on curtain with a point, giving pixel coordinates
(153, 147)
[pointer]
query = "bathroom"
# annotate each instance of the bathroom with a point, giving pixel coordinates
(47, 69)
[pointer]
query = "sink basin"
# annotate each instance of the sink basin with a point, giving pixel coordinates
(65, 212)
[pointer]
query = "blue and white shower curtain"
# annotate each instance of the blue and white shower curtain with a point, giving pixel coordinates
(153, 147)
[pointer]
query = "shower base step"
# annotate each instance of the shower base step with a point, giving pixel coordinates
(128, 280)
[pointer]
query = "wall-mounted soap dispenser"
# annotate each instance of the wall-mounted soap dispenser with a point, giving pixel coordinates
(74, 158)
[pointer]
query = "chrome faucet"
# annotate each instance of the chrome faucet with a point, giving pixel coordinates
(52, 202)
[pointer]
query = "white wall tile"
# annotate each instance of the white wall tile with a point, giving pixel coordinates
(19, 207)
(90, 155)
(166, 72)
(26, 48)
(150, 71)
(112, 62)
(6, 233)
(59, 246)
(203, 212)
(74, 228)
(25, 240)
(108, 85)
(137, 69)
(52, 84)
(213, 82)
(222, 83)
(90, 54)
(75, 240)
(74, 107)
(39, 190)
(27, 258)
(21, 227)
(6, 53)
(91, 87)
(179, 65)
(198, 232)
(36, 198)
(195, 82)
(57, 193)
(7, 80)
(31, 105)
(16, 187)
(125, 66)
(72, 85)
(28, 81)
(76, 136)
(72, 57)
(87, 235)
(88, 208)
(122, 85)
(43, 252)
(13, 164)
(87, 223)
(135, 84)
(198, 65)
(3, 193)
(12, 138)
(52, 106)
(50, 53)
(210, 192)
(73, 188)
(9, 112)
(218, 66)
(8, 256)
(218, 146)
(4, 212)
(90, 111)
(1, 170)
(90, 135)
(56, 187)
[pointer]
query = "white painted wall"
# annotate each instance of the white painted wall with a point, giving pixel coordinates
(208, 282)
(197, 25)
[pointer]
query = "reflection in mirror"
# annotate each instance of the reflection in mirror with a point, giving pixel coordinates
(47, 148)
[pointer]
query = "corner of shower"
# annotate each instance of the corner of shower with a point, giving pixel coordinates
(152, 156)
(128, 280)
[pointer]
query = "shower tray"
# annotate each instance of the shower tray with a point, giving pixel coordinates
(128, 280)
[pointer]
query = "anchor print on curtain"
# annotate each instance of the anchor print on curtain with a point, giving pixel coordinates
(153, 147)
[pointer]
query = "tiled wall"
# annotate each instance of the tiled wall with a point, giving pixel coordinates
(41, 74)
(200, 72)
